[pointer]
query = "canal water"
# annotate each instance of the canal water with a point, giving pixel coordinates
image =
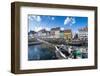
(45, 52)
(41, 52)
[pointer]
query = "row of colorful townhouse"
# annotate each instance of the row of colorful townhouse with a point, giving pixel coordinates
(58, 33)
(53, 33)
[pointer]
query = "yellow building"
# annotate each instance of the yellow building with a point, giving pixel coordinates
(68, 34)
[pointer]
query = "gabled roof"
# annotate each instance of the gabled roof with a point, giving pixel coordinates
(54, 29)
(68, 30)
(44, 31)
(84, 29)
(31, 32)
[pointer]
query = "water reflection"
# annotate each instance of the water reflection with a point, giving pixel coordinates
(41, 52)
(45, 52)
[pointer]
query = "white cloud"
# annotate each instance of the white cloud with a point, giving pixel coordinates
(37, 28)
(62, 28)
(73, 20)
(69, 21)
(36, 18)
(48, 29)
(30, 18)
(52, 18)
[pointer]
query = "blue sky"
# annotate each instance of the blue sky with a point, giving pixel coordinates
(38, 22)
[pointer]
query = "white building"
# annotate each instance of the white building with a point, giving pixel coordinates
(55, 32)
(83, 33)
(43, 33)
